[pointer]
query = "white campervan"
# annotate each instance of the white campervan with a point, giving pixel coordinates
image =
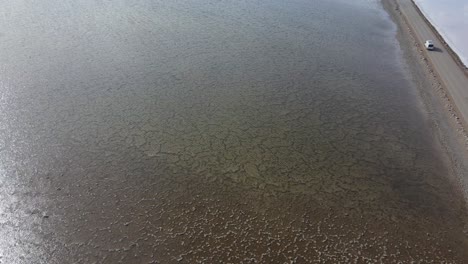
(429, 45)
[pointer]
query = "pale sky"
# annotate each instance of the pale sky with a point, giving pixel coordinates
(450, 17)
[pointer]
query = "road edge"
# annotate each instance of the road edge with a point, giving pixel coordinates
(452, 53)
(443, 116)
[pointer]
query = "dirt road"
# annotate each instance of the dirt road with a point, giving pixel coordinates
(449, 72)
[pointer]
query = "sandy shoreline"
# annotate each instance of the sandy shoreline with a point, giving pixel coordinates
(445, 118)
(442, 62)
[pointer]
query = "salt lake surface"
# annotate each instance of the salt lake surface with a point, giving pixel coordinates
(203, 131)
(450, 18)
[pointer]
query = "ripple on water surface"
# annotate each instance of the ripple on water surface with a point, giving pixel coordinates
(210, 131)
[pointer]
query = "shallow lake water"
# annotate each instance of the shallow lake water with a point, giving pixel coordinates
(202, 131)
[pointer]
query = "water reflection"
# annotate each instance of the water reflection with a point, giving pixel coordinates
(201, 131)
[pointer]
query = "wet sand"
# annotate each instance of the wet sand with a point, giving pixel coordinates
(447, 121)
(448, 68)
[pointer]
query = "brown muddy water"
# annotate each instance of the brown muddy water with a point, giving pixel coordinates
(203, 131)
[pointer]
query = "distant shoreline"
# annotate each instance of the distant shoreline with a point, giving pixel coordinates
(441, 94)
(442, 63)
